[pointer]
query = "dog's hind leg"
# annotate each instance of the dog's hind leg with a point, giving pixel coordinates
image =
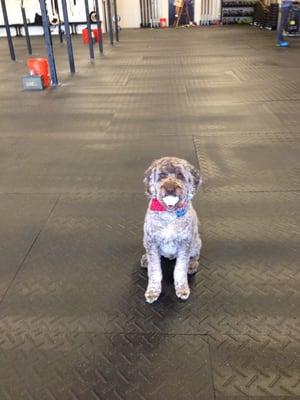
(195, 255)
(193, 265)
(144, 261)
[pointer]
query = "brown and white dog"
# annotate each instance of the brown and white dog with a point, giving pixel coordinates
(171, 224)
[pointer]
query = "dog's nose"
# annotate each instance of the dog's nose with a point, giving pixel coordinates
(170, 187)
(170, 190)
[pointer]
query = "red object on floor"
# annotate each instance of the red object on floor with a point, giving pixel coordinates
(96, 35)
(40, 67)
(163, 22)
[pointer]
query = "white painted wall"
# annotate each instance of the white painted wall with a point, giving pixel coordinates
(129, 10)
(76, 14)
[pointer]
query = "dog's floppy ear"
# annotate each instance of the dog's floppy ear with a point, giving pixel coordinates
(196, 180)
(149, 180)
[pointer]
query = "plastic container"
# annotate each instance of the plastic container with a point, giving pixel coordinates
(96, 35)
(163, 22)
(40, 67)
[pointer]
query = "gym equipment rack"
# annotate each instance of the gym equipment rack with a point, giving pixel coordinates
(237, 12)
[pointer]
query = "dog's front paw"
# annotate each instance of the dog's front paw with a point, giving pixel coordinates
(144, 261)
(182, 291)
(152, 294)
(193, 266)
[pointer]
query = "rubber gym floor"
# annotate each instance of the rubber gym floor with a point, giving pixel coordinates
(73, 320)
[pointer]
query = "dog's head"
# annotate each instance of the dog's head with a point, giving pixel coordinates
(173, 179)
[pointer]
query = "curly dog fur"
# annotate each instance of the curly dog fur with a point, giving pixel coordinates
(169, 233)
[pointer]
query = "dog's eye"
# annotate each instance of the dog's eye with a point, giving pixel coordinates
(162, 175)
(179, 175)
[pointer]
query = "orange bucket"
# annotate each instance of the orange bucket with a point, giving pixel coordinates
(96, 35)
(40, 67)
(163, 22)
(85, 35)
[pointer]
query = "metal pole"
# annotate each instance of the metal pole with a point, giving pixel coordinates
(88, 22)
(48, 43)
(99, 27)
(60, 32)
(9, 39)
(68, 36)
(105, 18)
(28, 42)
(116, 20)
(111, 34)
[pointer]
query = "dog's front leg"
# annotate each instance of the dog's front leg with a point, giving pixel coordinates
(154, 274)
(180, 274)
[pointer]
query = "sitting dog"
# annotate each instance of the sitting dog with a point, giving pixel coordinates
(171, 224)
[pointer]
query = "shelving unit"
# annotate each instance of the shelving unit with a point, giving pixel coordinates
(237, 12)
(266, 16)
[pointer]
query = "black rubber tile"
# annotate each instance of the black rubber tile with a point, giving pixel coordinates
(83, 275)
(55, 165)
(251, 258)
(255, 367)
(44, 123)
(114, 367)
(287, 112)
(22, 218)
(194, 119)
(244, 93)
(260, 162)
(219, 396)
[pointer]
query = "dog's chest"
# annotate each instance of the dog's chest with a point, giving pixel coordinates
(169, 234)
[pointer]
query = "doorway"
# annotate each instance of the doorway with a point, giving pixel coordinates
(191, 6)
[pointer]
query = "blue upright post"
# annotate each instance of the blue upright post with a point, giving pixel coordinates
(28, 42)
(111, 33)
(9, 39)
(48, 43)
(88, 22)
(68, 36)
(99, 27)
(116, 21)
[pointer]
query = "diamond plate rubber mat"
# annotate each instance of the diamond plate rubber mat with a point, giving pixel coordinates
(84, 274)
(84, 270)
(251, 254)
(197, 119)
(55, 165)
(256, 367)
(22, 218)
(74, 324)
(103, 367)
(250, 162)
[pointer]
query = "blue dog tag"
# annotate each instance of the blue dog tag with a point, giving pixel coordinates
(181, 212)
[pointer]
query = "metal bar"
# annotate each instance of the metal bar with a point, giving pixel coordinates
(68, 36)
(9, 39)
(105, 18)
(48, 42)
(60, 32)
(116, 20)
(88, 22)
(28, 42)
(145, 13)
(111, 33)
(99, 27)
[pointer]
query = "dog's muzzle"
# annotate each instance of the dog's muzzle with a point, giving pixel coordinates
(171, 192)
